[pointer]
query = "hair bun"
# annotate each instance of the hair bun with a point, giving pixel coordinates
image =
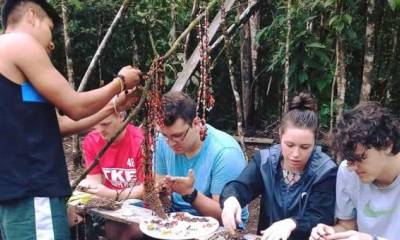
(303, 102)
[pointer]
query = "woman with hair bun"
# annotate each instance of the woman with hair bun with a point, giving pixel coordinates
(295, 179)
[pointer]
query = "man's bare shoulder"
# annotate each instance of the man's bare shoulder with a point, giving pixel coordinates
(9, 38)
(17, 42)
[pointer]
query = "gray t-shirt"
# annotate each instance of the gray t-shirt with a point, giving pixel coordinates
(377, 210)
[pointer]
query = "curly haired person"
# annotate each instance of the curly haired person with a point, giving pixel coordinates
(368, 186)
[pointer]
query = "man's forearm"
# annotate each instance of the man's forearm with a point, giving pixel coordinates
(126, 193)
(207, 206)
(69, 126)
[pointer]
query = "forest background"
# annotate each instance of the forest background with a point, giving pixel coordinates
(342, 51)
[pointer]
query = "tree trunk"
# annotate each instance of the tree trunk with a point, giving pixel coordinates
(246, 67)
(340, 75)
(255, 48)
(135, 54)
(287, 56)
(173, 19)
(76, 154)
(369, 53)
(394, 58)
(236, 95)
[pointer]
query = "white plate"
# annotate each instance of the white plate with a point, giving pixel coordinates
(181, 229)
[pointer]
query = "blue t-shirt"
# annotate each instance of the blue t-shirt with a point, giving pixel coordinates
(219, 161)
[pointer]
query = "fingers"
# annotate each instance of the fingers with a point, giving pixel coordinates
(321, 231)
(238, 216)
(341, 235)
(228, 220)
(191, 174)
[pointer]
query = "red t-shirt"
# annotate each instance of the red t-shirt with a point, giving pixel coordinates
(121, 165)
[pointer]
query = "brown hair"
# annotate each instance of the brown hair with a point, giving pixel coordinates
(176, 105)
(302, 114)
(368, 124)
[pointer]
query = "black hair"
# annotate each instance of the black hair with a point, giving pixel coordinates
(302, 114)
(176, 105)
(368, 124)
(10, 5)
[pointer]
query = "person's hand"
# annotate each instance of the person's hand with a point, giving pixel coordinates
(279, 230)
(73, 217)
(90, 187)
(231, 214)
(162, 188)
(349, 235)
(321, 231)
(181, 185)
(123, 102)
(132, 76)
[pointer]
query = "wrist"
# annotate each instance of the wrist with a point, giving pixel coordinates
(292, 223)
(191, 197)
(123, 83)
(117, 84)
(189, 191)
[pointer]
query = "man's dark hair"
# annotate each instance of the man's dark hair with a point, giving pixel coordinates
(178, 105)
(368, 124)
(10, 5)
(302, 114)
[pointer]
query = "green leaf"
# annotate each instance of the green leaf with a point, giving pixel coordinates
(347, 18)
(316, 45)
(333, 20)
(329, 3)
(303, 77)
(394, 5)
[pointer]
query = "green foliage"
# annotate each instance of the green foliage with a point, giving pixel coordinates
(316, 25)
(394, 5)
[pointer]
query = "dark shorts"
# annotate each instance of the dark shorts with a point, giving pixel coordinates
(34, 218)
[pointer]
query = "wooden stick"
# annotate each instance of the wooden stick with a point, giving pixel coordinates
(102, 46)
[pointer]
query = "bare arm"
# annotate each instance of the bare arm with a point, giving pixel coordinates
(185, 185)
(37, 67)
(208, 206)
(345, 225)
(69, 126)
(122, 103)
(94, 185)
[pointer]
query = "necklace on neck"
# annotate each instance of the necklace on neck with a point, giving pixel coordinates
(291, 178)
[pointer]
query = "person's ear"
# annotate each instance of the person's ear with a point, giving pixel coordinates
(196, 122)
(389, 148)
(31, 16)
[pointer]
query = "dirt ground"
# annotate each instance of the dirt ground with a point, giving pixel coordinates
(75, 172)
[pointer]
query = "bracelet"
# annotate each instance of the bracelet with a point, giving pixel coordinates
(115, 105)
(189, 198)
(123, 83)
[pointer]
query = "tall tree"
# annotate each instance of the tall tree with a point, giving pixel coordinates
(76, 151)
(287, 56)
(246, 67)
(369, 52)
(231, 68)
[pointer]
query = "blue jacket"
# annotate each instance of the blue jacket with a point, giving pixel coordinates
(313, 196)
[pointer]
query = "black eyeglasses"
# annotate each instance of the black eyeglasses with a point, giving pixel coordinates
(178, 138)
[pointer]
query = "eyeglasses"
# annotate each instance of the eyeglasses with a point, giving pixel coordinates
(177, 138)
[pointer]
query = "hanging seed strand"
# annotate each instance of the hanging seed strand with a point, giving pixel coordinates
(205, 99)
(154, 118)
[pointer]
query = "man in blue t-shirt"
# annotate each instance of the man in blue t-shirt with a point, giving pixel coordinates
(194, 170)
